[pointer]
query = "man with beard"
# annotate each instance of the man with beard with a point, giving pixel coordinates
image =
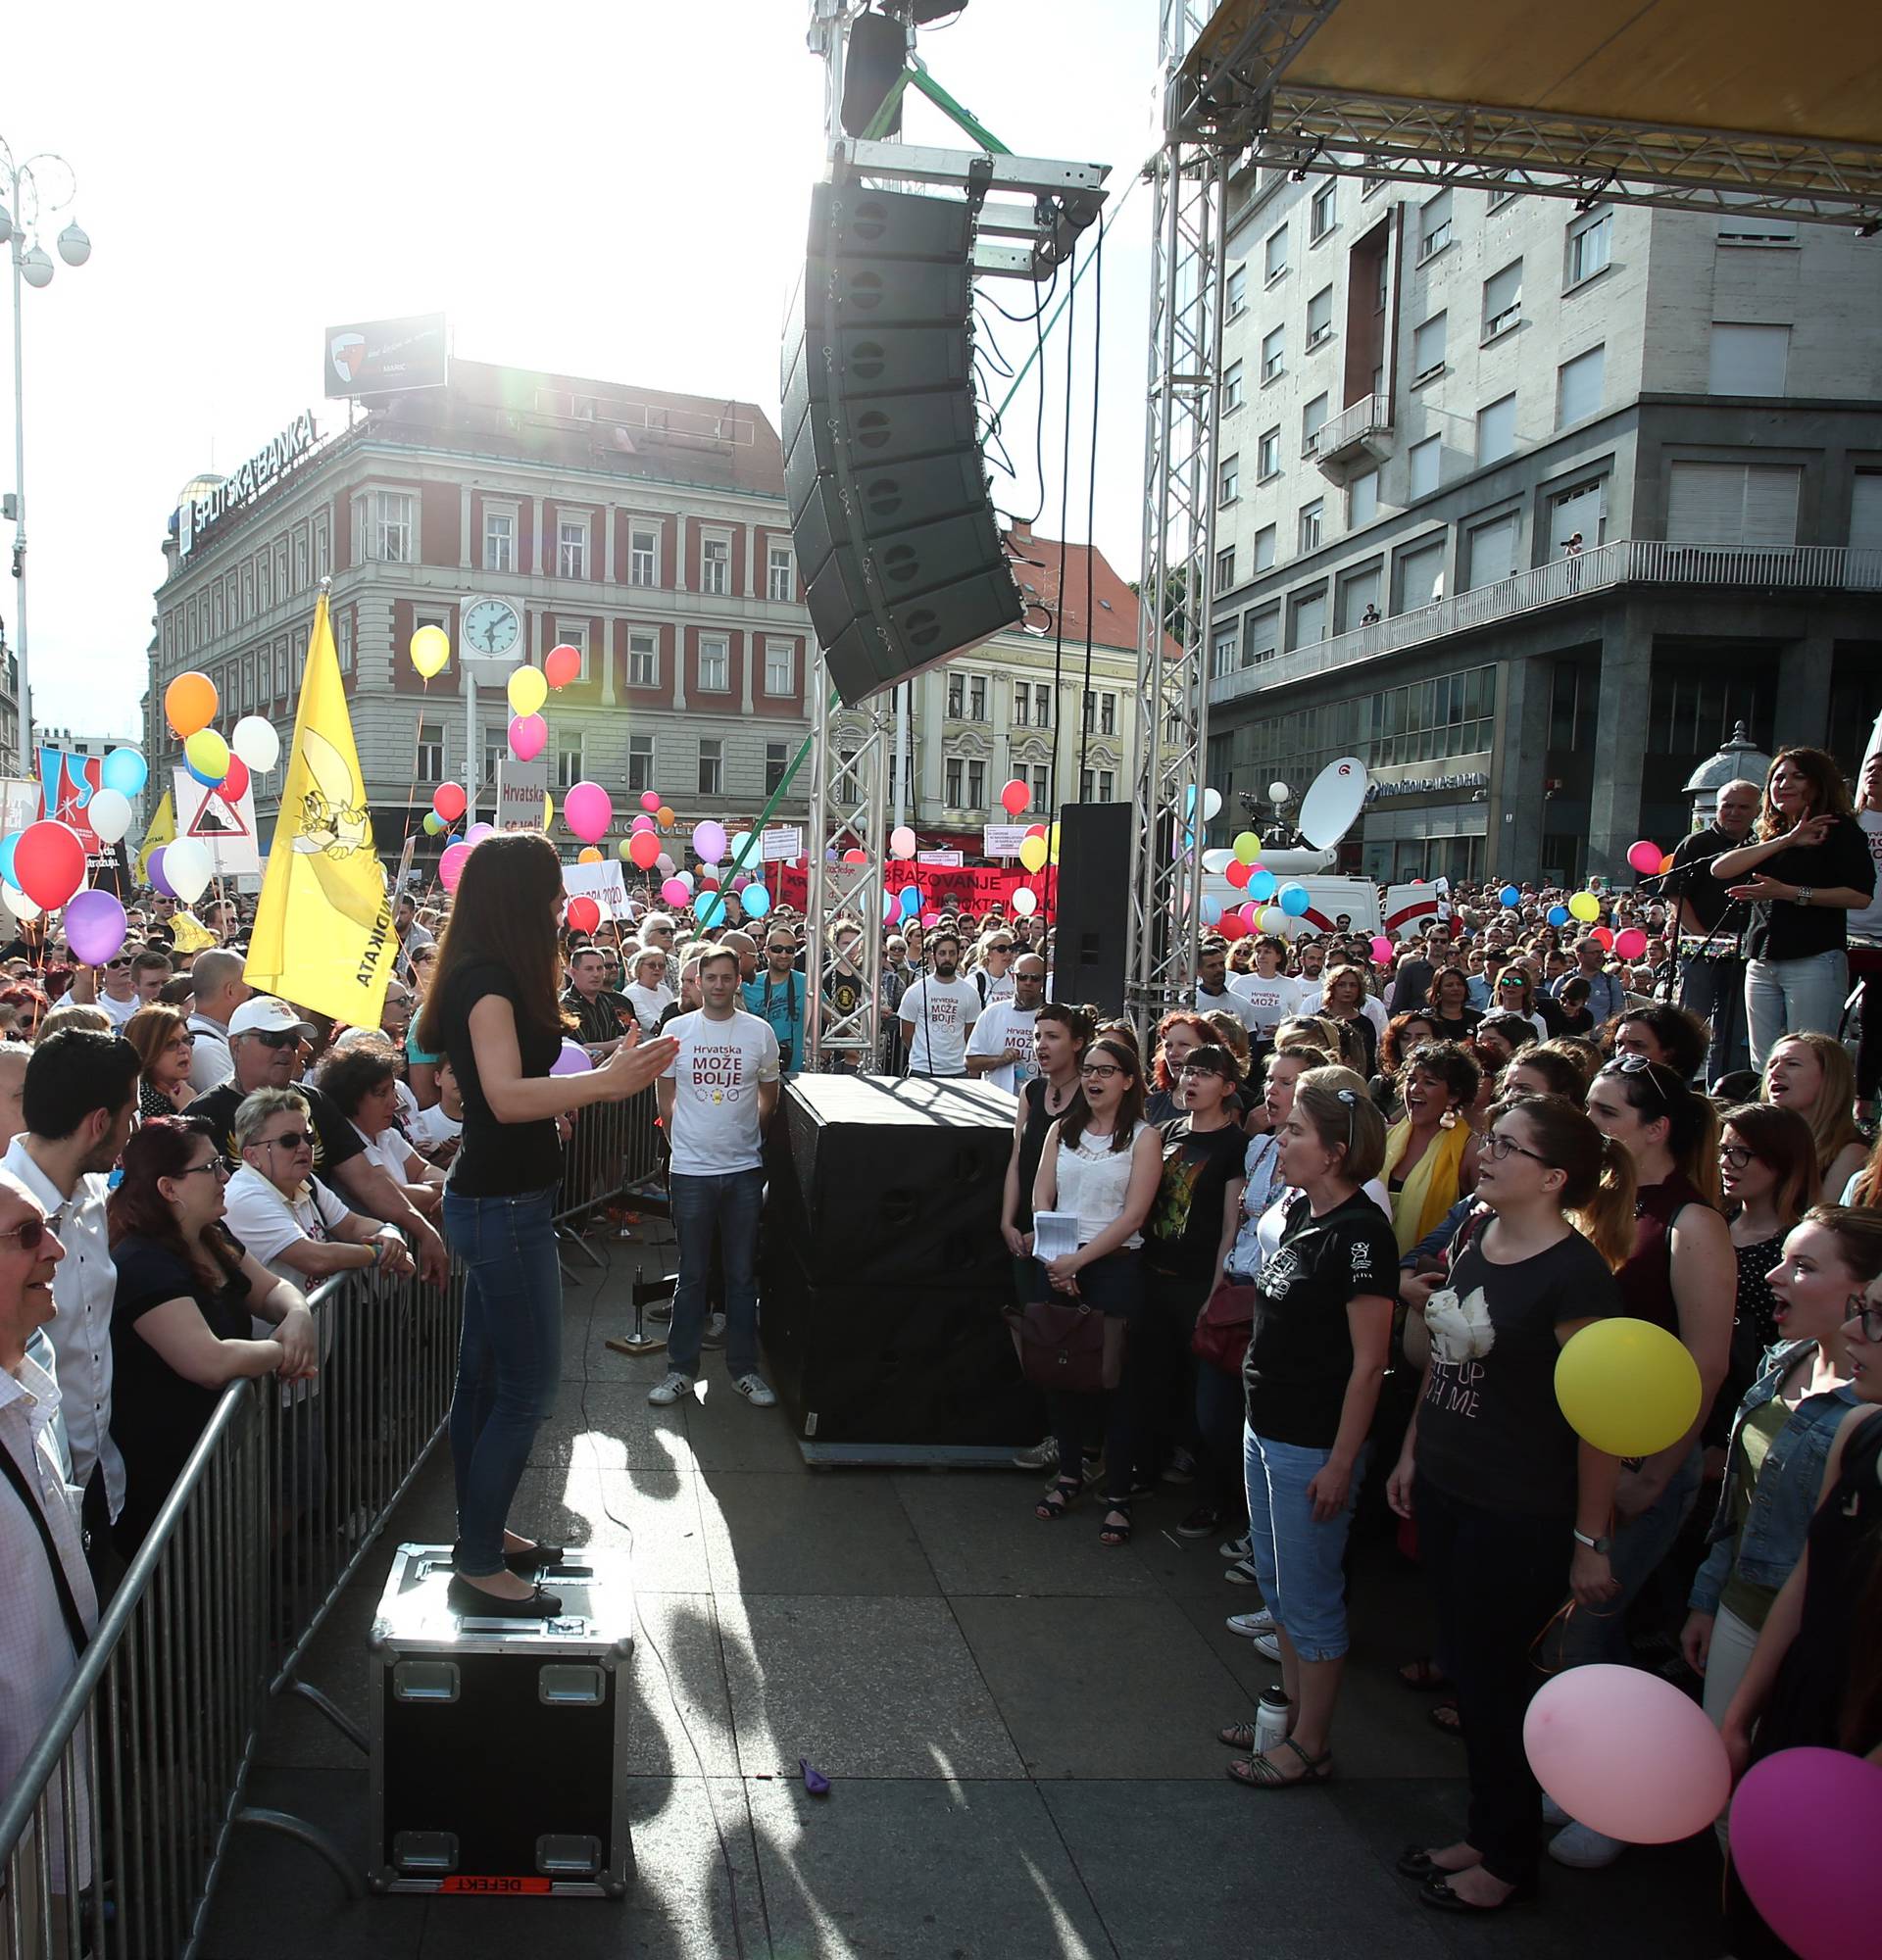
(1214, 995)
(938, 1012)
(776, 997)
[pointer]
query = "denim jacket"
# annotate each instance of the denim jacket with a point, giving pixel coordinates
(1786, 1489)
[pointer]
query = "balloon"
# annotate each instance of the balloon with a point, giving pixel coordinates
(1645, 857)
(642, 822)
(1627, 1753)
(561, 665)
(709, 842)
(1558, 916)
(450, 865)
(643, 848)
(452, 838)
(1585, 906)
(589, 854)
(674, 892)
(19, 905)
(1237, 873)
(430, 649)
(1211, 913)
(1232, 926)
(711, 910)
(571, 1061)
(109, 813)
(1381, 949)
(433, 823)
(1052, 844)
(189, 868)
(902, 839)
(527, 690)
(207, 755)
(1510, 898)
(1603, 938)
(855, 856)
(49, 863)
(588, 810)
(1262, 883)
(1272, 918)
(478, 832)
(1212, 804)
(1802, 1825)
(94, 925)
(1666, 863)
(125, 770)
(1033, 853)
(663, 816)
(650, 801)
(1247, 846)
(527, 734)
(625, 850)
(756, 900)
(449, 800)
(8, 844)
(1630, 944)
(191, 703)
(154, 870)
(1294, 900)
(1025, 903)
(548, 810)
(233, 787)
(664, 866)
(1013, 798)
(255, 741)
(1628, 1387)
(583, 913)
(684, 878)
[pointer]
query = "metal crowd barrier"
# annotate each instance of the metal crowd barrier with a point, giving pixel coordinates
(112, 1839)
(613, 1153)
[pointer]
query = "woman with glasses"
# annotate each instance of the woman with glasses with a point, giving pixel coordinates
(1767, 1171)
(1812, 1074)
(164, 1044)
(1516, 994)
(179, 1323)
(1509, 1500)
(1102, 1163)
(1431, 1151)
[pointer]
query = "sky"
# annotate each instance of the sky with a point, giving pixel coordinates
(616, 191)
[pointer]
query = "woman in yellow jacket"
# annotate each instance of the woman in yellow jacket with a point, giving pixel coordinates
(1431, 1153)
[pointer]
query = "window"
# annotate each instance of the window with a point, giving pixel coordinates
(571, 547)
(1747, 359)
(1497, 430)
(499, 540)
(1096, 785)
(640, 762)
(1590, 241)
(976, 698)
(1578, 388)
(1425, 458)
(780, 573)
(976, 786)
(1491, 551)
(392, 527)
(1312, 421)
(711, 765)
(1319, 316)
(1501, 196)
(1322, 212)
(429, 762)
(1732, 504)
(1502, 300)
(780, 667)
(248, 592)
(1311, 516)
(1100, 710)
(951, 793)
(1358, 595)
(1042, 707)
(716, 566)
(574, 633)
(643, 555)
(1262, 639)
(1420, 576)
(220, 616)
(1237, 291)
(280, 673)
(1736, 230)
(1265, 548)
(778, 755)
(1583, 508)
(1865, 510)
(1267, 455)
(956, 697)
(643, 656)
(569, 760)
(1227, 642)
(1363, 500)
(1307, 621)
(1434, 226)
(1229, 480)
(1273, 352)
(345, 647)
(1231, 387)
(1041, 789)
(1022, 703)
(322, 556)
(715, 663)
(1274, 254)
(300, 564)
(496, 749)
(1427, 349)
(1225, 569)
(263, 586)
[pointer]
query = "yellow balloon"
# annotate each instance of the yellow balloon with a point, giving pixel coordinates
(527, 690)
(430, 650)
(1052, 844)
(588, 856)
(1585, 906)
(208, 755)
(1247, 846)
(1627, 1387)
(1033, 853)
(548, 811)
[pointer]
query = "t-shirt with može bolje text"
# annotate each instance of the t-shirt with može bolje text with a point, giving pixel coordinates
(942, 1012)
(716, 1076)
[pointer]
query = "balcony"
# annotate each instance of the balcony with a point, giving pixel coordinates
(1560, 582)
(1355, 440)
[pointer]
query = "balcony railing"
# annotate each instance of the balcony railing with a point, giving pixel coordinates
(1559, 582)
(1355, 435)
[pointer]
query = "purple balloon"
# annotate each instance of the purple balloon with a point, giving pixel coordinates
(155, 873)
(1797, 1818)
(572, 1060)
(94, 926)
(478, 832)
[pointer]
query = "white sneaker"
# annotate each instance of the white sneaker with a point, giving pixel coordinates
(1258, 1628)
(676, 1387)
(755, 1392)
(1236, 1548)
(1552, 1812)
(1241, 1573)
(1041, 1456)
(1584, 1850)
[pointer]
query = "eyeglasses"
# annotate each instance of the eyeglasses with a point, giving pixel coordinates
(1496, 1147)
(1735, 1154)
(1100, 1070)
(293, 1140)
(1512, 980)
(215, 1166)
(30, 1232)
(1866, 1320)
(1202, 1068)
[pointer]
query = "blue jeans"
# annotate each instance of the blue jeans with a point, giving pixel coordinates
(1299, 1564)
(1794, 996)
(1638, 1546)
(510, 1359)
(727, 1205)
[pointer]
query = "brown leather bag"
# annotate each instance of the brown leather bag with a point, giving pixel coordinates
(1223, 1327)
(1061, 1346)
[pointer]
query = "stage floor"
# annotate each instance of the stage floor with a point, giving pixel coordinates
(1019, 1726)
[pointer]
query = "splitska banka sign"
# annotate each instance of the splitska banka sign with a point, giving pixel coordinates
(196, 513)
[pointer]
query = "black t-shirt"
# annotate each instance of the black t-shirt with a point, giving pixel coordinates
(156, 1414)
(1462, 1029)
(1781, 930)
(1409, 985)
(497, 1159)
(1299, 1349)
(1185, 1226)
(1490, 1431)
(335, 1140)
(1704, 894)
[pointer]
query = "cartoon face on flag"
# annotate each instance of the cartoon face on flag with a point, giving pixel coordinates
(333, 813)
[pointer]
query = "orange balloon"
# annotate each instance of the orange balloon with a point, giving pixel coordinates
(1666, 863)
(589, 856)
(191, 703)
(663, 816)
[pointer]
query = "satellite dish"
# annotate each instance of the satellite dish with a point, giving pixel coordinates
(1335, 800)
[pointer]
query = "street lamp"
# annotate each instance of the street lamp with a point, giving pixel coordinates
(37, 188)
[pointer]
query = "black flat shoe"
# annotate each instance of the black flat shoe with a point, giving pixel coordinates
(462, 1596)
(1439, 1896)
(1415, 1862)
(524, 1564)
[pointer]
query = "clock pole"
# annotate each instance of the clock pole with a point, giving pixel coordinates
(472, 761)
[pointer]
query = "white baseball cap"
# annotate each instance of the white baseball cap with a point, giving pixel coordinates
(264, 1014)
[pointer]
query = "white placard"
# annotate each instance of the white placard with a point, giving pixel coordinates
(783, 845)
(521, 789)
(227, 828)
(940, 858)
(601, 882)
(1002, 840)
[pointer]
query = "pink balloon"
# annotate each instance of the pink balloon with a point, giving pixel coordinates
(1803, 1822)
(930, 921)
(527, 734)
(478, 832)
(571, 1059)
(1627, 1753)
(642, 822)
(674, 892)
(664, 866)
(588, 810)
(650, 801)
(1645, 857)
(1630, 943)
(450, 865)
(1381, 947)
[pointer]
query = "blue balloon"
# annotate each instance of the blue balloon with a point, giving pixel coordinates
(125, 771)
(1293, 901)
(197, 776)
(1261, 884)
(1558, 915)
(910, 899)
(8, 846)
(453, 837)
(1510, 897)
(712, 912)
(1211, 913)
(756, 900)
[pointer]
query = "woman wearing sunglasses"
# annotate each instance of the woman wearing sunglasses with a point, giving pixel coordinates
(165, 1045)
(180, 1323)
(1516, 994)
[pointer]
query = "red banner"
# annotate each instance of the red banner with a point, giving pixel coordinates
(943, 887)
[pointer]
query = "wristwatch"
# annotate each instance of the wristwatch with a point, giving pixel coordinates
(1803, 895)
(1601, 1544)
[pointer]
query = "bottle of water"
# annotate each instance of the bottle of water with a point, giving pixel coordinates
(1270, 1719)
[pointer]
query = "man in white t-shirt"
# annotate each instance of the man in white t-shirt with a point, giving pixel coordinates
(1269, 996)
(118, 994)
(938, 1012)
(1000, 1048)
(715, 1098)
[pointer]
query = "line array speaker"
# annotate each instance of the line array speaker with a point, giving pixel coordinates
(1094, 905)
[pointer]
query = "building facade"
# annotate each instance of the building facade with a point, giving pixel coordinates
(1525, 504)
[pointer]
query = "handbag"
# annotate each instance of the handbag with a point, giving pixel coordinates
(1224, 1326)
(1061, 1347)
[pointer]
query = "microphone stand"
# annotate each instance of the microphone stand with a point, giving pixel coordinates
(1673, 886)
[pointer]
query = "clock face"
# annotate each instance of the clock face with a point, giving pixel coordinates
(491, 628)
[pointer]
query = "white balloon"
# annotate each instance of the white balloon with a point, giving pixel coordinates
(188, 868)
(109, 814)
(1211, 804)
(255, 741)
(19, 905)
(1025, 903)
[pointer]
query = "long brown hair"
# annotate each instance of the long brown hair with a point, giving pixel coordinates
(1829, 793)
(1652, 1090)
(1781, 1140)
(504, 914)
(1831, 1123)
(1130, 1105)
(1599, 1183)
(163, 1147)
(150, 1030)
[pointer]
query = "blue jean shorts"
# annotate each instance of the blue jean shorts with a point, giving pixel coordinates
(1300, 1564)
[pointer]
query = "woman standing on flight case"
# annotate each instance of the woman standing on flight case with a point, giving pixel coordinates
(493, 1010)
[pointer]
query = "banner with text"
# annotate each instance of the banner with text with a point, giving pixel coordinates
(943, 887)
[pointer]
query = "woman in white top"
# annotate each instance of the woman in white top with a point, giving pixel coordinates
(1101, 1162)
(648, 990)
(362, 1079)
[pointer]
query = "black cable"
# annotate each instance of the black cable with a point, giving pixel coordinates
(1065, 506)
(1091, 488)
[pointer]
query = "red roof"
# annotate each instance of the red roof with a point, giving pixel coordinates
(1039, 563)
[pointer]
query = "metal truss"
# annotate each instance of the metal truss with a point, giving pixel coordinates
(1189, 184)
(848, 795)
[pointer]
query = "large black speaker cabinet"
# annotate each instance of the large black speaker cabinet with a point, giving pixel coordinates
(882, 1270)
(1094, 905)
(891, 518)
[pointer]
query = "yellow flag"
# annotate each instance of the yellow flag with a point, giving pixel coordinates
(322, 934)
(189, 934)
(163, 830)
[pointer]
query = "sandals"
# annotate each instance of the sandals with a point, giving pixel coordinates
(1119, 1532)
(1059, 1499)
(1423, 1675)
(1260, 1773)
(1237, 1735)
(1445, 1716)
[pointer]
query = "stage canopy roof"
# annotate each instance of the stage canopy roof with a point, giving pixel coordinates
(1696, 104)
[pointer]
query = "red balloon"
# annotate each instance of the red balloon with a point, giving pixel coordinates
(643, 847)
(560, 667)
(1035, 830)
(1604, 938)
(583, 915)
(49, 863)
(449, 801)
(1015, 797)
(1230, 926)
(855, 856)
(234, 786)
(1238, 874)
